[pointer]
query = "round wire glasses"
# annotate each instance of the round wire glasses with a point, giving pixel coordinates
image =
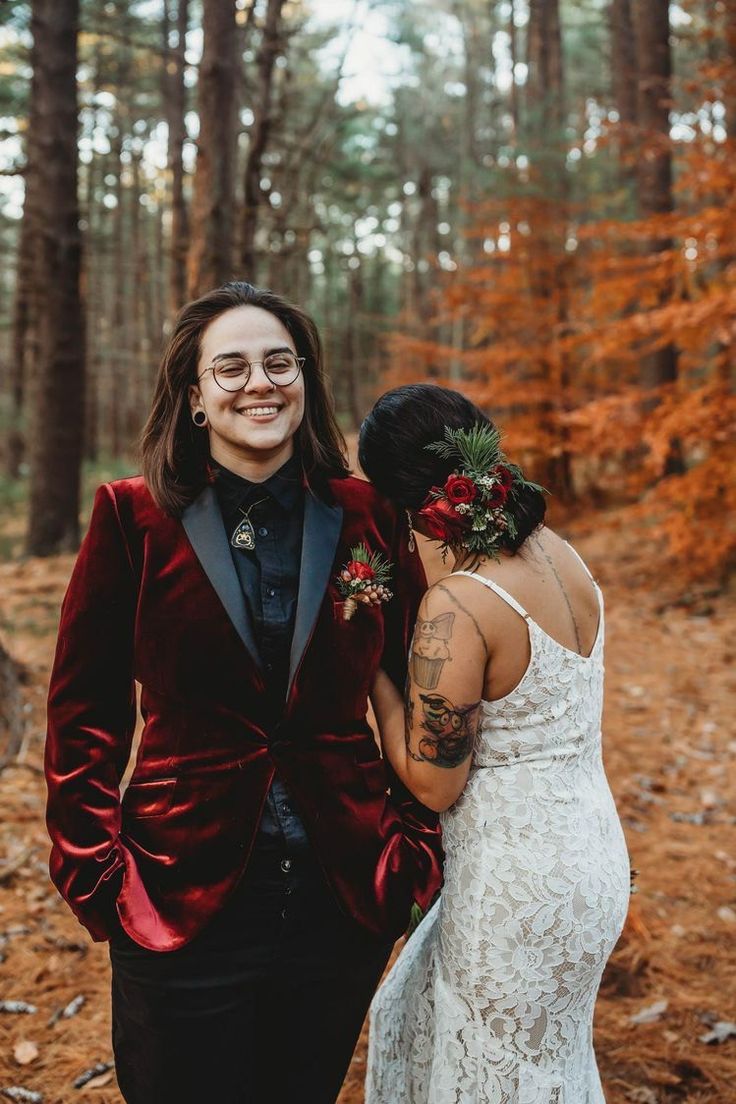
(232, 372)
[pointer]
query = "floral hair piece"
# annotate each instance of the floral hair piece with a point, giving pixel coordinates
(474, 509)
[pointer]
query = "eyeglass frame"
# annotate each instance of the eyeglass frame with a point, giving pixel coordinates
(300, 362)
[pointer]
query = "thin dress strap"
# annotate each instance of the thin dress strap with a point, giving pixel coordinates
(504, 594)
(598, 591)
(582, 563)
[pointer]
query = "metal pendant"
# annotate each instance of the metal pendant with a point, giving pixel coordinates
(244, 535)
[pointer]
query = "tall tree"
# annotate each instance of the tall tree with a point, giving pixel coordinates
(514, 57)
(210, 259)
(655, 159)
(545, 96)
(550, 266)
(24, 333)
(624, 83)
(271, 44)
(175, 98)
(730, 81)
(57, 406)
(623, 61)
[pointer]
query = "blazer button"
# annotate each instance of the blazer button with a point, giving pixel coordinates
(286, 865)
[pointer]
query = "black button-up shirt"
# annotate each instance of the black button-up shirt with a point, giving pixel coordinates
(269, 578)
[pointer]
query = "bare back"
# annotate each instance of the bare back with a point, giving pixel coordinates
(550, 581)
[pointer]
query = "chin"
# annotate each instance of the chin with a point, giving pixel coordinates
(264, 442)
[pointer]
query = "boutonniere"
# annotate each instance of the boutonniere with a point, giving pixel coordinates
(364, 578)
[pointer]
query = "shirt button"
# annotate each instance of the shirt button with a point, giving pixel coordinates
(286, 865)
(263, 531)
(271, 592)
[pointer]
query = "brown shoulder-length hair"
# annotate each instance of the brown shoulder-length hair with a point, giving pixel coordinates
(175, 453)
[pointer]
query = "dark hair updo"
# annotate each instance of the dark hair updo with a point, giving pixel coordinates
(393, 455)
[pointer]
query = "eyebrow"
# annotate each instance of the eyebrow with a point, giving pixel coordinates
(239, 353)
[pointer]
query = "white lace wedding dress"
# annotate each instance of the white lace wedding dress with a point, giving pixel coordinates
(492, 998)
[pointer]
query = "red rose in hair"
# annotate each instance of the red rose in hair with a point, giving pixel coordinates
(496, 496)
(499, 492)
(360, 570)
(442, 521)
(504, 475)
(460, 489)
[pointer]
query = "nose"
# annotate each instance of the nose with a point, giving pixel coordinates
(258, 381)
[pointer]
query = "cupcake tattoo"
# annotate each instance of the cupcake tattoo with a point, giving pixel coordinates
(429, 651)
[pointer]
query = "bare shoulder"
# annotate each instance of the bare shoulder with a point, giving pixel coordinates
(451, 605)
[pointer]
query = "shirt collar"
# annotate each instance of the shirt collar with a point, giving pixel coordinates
(285, 486)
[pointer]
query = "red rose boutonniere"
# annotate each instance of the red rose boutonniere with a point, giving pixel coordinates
(364, 579)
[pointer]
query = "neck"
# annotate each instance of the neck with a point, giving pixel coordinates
(462, 558)
(466, 561)
(255, 468)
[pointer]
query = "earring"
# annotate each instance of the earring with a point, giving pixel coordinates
(199, 418)
(412, 542)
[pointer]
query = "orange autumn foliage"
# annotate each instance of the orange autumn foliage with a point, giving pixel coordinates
(557, 316)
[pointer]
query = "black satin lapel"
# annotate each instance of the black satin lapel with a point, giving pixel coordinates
(202, 523)
(322, 525)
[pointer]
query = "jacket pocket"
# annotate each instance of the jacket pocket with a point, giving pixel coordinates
(148, 799)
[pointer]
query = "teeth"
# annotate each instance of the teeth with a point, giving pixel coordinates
(261, 410)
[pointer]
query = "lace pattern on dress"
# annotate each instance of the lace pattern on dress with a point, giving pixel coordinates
(492, 999)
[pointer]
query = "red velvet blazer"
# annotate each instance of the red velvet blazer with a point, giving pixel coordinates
(155, 599)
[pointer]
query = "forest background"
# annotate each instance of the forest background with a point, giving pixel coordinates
(531, 200)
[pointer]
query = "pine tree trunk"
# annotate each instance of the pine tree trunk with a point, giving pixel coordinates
(210, 260)
(94, 259)
(57, 422)
(655, 158)
(25, 336)
(730, 82)
(262, 121)
(514, 51)
(175, 110)
(354, 364)
(141, 296)
(549, 275)
(116, 360)
(623, 61)
(423, 239)
(545, 86)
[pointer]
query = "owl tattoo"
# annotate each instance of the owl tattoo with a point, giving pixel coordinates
(449, 731)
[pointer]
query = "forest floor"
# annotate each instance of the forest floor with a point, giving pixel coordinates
(670, 752)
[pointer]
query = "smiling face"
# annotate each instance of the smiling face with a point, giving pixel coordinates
(251, 431)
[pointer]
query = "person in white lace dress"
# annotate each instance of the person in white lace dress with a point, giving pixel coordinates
(492, 998)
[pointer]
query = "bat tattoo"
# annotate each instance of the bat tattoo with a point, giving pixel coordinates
(449, 732)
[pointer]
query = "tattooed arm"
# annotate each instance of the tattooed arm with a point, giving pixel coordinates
(428, 738)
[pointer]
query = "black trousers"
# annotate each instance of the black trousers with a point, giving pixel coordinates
(262, 1007)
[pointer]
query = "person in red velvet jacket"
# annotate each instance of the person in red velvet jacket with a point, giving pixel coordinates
(261, 861)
